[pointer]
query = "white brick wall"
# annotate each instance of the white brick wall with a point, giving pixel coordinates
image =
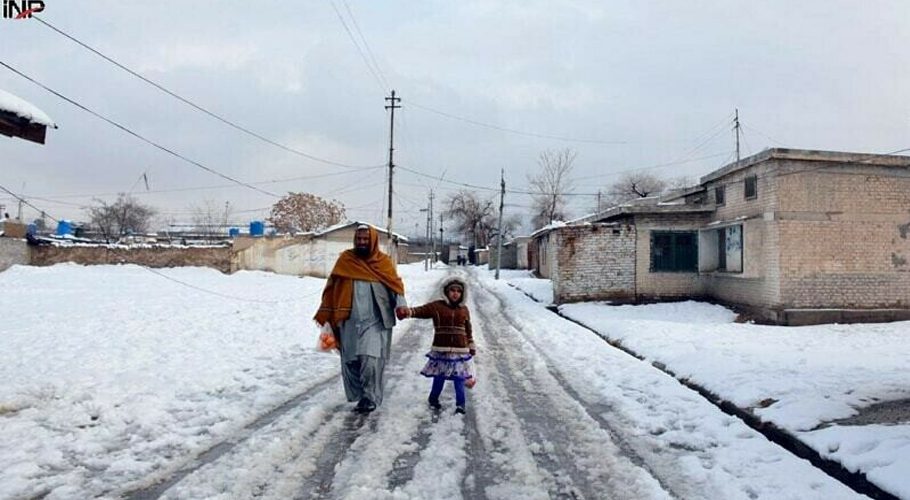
(594, 262)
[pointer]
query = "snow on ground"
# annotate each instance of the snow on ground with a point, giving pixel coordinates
(811, 375)
(111, 371)
(112, 377)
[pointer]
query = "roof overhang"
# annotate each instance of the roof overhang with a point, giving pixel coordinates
(20, 118)
(12, 125)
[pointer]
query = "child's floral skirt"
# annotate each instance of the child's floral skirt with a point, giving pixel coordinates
(451, 365)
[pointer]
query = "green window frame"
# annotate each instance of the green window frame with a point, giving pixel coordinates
(674, 251)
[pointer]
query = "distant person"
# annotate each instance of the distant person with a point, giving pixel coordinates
(452, 355)
(358, 303)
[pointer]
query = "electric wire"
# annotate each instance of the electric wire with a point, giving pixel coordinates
(511, 130)
(26, 202)
(192, 104)
(366, 45)
(137, 135)
(357, 46)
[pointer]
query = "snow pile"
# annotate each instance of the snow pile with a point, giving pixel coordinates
(799, 378)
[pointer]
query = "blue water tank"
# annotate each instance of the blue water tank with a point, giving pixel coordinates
(32, 229)
(64, 227)
(257, 228)
(234, 232)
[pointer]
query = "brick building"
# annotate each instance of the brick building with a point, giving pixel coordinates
(793, 236)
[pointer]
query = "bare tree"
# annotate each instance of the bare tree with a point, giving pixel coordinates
(633, 186)
(211, 218)
(124, 216)
(472, 217)
(551, 186)
(305, 212)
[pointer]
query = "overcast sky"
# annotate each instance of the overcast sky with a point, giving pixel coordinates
(484, 86)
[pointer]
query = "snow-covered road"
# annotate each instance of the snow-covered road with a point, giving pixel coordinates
(557, 412)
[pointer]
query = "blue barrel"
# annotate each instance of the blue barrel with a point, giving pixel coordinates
(257, 228)
(64, 227)
(32, 229)
(234, 232)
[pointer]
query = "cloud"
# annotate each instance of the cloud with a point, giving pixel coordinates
(178, 55)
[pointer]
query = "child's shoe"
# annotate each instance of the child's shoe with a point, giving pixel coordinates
(434, 403)
(459, 410)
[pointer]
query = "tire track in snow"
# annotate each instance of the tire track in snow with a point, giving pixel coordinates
(344, 446)
(283, 417)
(576, 454)
(661, 461)
(216, 451)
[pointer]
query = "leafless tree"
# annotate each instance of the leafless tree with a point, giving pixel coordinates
(642, 185)
(124, 216)
(551, 185)
(511, 224)
(633, 186)
(211, 218)
(472, 217)
(305, 212)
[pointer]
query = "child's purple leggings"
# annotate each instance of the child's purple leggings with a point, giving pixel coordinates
(439, 381)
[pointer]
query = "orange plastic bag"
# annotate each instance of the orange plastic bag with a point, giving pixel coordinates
(326, 341)
(470, 383)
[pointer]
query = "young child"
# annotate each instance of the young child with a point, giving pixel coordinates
(451, 357)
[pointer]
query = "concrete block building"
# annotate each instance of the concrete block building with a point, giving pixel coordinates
(792, 236)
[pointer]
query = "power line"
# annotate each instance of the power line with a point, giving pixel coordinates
(365, 44)
(136, 135)
(511, 130)
(766, 136)
(194, 105)
(218, 294)
(382, 84)
(650, 167)
(203, 188)
(26, 202)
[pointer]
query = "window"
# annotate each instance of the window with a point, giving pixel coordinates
(751, 187)
(719, 195)
(730, 249)
(722, 249)
(675, 251)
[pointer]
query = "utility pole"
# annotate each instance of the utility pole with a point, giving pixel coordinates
(502, 196)
(432, 232)
(441, 239)
(426, 257)
(736, 129)
(21, 201)
(598, 201)
(392, 106)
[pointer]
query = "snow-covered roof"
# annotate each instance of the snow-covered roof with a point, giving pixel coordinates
(349, 223)
(24, 109)
(549, 227)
